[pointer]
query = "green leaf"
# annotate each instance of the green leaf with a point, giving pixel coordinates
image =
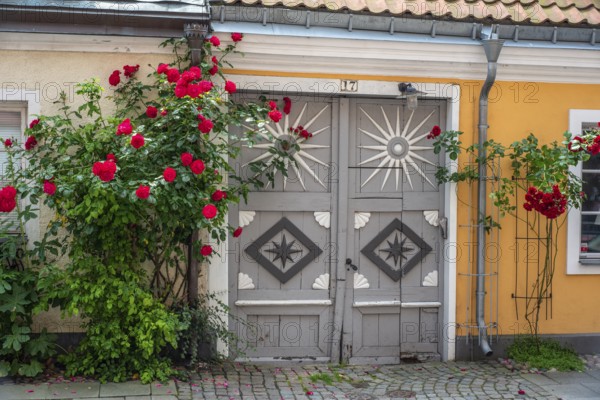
(16, 301)
(4, 368)
(14, 341)
(32, 369)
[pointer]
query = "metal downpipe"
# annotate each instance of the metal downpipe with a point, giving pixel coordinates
(492, 47)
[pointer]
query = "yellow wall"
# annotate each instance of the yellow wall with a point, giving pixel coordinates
(516, 109)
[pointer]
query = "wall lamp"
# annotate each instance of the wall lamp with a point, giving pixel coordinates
(410, 93)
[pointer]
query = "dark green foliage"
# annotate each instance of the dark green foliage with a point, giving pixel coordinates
(544, 354)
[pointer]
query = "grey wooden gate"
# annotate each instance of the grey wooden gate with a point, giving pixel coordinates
(362, 190)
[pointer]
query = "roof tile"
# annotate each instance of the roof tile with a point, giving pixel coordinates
(571, 12)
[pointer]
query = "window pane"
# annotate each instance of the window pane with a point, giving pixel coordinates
(10, 127)
(592, 163)
(591, 188)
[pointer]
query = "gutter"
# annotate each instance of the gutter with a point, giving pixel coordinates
(492, 47)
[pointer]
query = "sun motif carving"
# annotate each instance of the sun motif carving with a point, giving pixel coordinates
(294, 146)
(397, 148)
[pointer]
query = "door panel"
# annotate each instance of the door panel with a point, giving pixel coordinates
(283, 266)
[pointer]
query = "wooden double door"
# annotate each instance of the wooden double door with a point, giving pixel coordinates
(340, 259)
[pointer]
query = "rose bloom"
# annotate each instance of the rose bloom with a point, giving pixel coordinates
(162, 68)
(205, 86)
(151, 111)
(169, 174)
(33, 123)
(130, 70)
(272, 105)
(30, 143)
(125, 127)
(137, 141)
(114, 79)
(181, 91)
(236, 37)
(213, 71)
(164, 113)
(209, 211)
(111, 157)
(187, 76)
(143, 192)
(105, 170)
(173, 75)
(206, 250)
(8, 143)
(197, 167)
(205, 125)
(193, 90)
(275, 115)
(215, 41)
(49, 187)
(287, 105)
(435, 132)
(237, 232)
(187, 159)
(196, 72)
(8, 200)
(218, 195)
(230, 87)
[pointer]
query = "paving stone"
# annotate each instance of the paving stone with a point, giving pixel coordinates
(593, 386)
(124, 389)
(167, 388)
(571, 390)
(571, 377)
(21, 392)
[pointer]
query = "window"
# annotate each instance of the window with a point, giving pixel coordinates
(11, 126)
(583, 250)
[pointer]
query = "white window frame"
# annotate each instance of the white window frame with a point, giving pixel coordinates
(574, 267)
(27, 101)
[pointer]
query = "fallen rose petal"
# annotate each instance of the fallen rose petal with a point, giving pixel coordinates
(309, 393)
(521, 391)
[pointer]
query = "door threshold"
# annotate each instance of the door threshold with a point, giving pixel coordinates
(284, 360)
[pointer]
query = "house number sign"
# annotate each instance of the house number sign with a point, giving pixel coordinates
(348, 86)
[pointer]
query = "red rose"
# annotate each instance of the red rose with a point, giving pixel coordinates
(205, 125)
(49, 187)
(33, 123)
(193, 90)
(186, 159)
(151, 111)
(111, 157)
(137, 140)
(105, 170)
(218, 195)
(8, 143)
(275, 115)
(435, 132)
(164, 113)
(272, 105)
(181, 91)
(205, 86)
(114, 79)
(30, 143)
(130, 70)
(169, 174)
(214, 60)
(206, 250)
(236, 37)
(213, 70)
(230, 87)
(287, 105)
(196, 72)
(197, 167)
(143, 192)
(237, 232)
(173, 75)
(124, 127)
(209, 211)
(187, 76)
(162, 68)
(8, 199)
(215, 41)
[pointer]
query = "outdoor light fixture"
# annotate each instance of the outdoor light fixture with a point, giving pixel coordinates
(409, 93)
(196, 33)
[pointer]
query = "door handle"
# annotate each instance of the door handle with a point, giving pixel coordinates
(350, 265)
(443, 224)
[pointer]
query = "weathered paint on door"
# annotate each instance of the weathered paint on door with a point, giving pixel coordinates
(364, 176)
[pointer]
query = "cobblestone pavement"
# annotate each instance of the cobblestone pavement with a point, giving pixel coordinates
(461, 380)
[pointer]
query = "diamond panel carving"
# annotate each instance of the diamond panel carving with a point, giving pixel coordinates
(283, 250)
(395, 248)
